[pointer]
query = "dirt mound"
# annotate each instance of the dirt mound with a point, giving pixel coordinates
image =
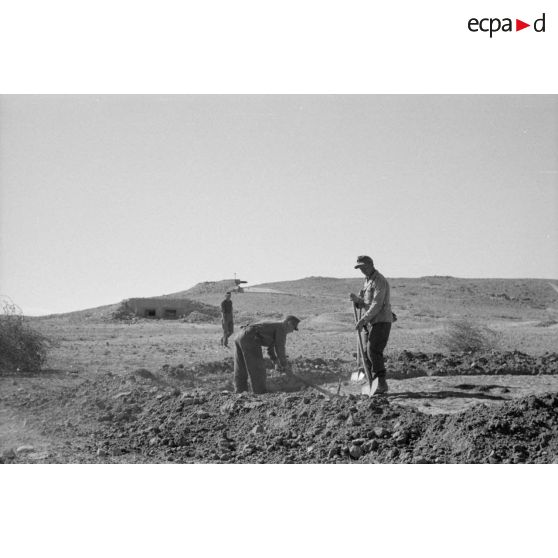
(522, 431)
(308, 428)
(408, 364)
(166, 416)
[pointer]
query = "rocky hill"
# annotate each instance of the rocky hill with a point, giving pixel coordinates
(424, 297)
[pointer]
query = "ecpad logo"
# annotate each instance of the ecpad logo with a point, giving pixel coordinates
(492, 25)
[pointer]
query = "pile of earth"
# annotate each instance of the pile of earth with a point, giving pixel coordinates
(217, 374)
(147, 417)
(408, 364)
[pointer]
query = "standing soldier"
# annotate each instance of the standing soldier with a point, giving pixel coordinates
(374, 298)
(227, 319)
(248, 357)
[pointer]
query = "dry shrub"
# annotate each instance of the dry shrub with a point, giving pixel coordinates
(468, 336)
(22, 349)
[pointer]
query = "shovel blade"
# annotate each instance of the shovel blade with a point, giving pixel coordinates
(370, 389)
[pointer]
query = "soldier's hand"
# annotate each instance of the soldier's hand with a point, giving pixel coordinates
(355, 299)
(360, 324)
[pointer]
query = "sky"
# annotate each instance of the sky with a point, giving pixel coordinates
(110, 197)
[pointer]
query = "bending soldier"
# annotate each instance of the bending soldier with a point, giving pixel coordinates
(248, 357)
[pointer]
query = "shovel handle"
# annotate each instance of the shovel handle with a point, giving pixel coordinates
(313, 385)
(366, 369)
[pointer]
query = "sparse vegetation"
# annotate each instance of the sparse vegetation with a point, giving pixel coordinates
(468, 336)
(22, 349)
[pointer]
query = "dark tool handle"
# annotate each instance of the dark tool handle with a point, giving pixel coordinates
(366, 369)
(312, 385)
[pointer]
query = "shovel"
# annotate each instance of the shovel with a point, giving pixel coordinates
(356, 376)
(294, 374)
(314, 386)
(372, 386)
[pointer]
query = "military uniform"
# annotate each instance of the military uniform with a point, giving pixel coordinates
(375, 299)
(227, 321)
(248, 356)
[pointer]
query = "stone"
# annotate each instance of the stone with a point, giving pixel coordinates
(24, 449)
(370, 445)
(355, 452)
(401, 438)
(122, 394)
(394, 453)
(258, 429)
(380, 432)
(333, 452)
(102, 453)
(227, 408)
(226, 447)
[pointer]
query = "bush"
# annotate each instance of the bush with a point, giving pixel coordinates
(22, 349)
(468, 336)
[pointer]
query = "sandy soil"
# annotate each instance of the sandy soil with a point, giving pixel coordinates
(160, 391)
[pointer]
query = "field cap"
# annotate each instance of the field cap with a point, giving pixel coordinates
(364, 260)
(294, 320)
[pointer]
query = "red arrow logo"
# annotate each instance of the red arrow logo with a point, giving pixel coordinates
(519, 25)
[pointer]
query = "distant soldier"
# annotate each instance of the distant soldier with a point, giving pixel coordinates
(248, 357)
(374, 298)
(227, 319)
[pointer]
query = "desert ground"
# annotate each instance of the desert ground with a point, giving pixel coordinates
(141, 390)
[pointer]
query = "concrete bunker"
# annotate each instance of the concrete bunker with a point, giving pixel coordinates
(164, 308)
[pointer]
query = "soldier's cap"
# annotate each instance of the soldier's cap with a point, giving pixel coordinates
(294, 320)
(364, 260)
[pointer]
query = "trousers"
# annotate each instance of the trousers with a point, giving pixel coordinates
(228, 329)
(248, 362)
(376, 341)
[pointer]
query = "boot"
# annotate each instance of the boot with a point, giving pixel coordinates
(382, 385)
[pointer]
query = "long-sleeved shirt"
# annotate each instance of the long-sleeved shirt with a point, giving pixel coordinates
(273, 336)
(227, 308)
(375, 299)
